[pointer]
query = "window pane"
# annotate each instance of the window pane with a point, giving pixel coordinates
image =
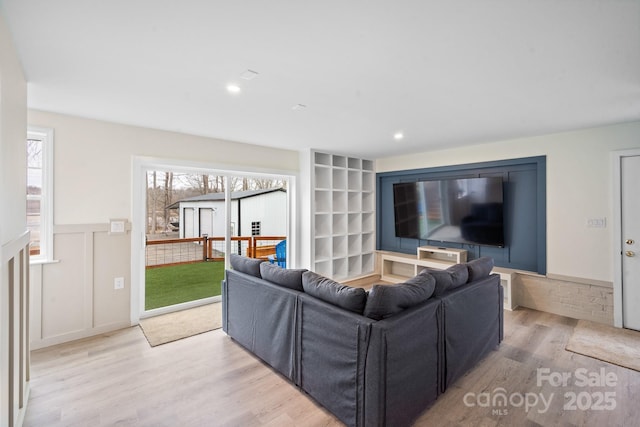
(33, 224)
(34, 153)
(34, 181)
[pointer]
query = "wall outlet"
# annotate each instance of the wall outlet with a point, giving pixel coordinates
(118, 283)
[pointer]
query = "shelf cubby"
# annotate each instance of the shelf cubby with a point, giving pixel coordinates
(355, 263)
(339, 179)
(355, 244)
(368, 242)
(368, 222)
(323, 159)
(340, 268)
(354, 180)
(323, 248)
(323, 224)
(354, 223)
(339, 161)
(323, 267)
(368, 202)
(339, 201)
(323, 177)
(354, 201)
(322, 201)
(340, 224)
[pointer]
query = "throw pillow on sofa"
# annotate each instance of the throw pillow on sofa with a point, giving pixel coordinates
(480, 268)
(288, 278)
(325, 289)
(452, 277)
(246, 265)
(386, 300)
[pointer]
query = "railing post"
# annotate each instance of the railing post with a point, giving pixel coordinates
(204, 247)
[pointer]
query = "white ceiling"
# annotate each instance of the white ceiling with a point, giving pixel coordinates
(446, 73)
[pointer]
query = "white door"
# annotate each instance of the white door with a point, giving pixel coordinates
(189, 223)
(630, 209)
(206, 222)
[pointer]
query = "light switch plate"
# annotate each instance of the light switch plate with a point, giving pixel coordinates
(117, 226)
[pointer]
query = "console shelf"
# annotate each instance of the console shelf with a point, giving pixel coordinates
(450, 255)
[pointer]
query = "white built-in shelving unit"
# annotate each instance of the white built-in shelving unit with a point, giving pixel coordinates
(343, 215)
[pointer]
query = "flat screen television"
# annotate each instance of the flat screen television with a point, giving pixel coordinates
(466, 210)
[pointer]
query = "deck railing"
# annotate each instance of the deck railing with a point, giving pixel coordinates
(163, 252)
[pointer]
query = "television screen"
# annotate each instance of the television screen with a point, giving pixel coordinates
(455, 210)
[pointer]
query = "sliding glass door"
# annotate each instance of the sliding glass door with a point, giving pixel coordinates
(190, 219)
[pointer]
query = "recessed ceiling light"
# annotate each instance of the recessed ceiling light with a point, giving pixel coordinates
(233, 88)
(249, 75)
(398, 136)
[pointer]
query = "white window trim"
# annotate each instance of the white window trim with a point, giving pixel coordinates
(46, 206)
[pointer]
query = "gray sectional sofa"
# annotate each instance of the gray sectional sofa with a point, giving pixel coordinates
(376, 358)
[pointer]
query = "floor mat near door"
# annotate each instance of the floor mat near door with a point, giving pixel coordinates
(182, 324)
(614, 345)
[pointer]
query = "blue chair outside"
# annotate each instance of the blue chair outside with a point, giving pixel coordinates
(281, 254)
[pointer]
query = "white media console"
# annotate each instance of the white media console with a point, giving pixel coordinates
(398, 267)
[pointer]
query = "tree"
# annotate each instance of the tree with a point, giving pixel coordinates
(168, 196)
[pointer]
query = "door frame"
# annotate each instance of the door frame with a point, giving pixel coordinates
(142, 164)
(616, 157)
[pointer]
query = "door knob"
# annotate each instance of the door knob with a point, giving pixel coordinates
(630, 253)
(629, 241)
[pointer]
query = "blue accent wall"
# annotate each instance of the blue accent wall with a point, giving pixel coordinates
(525, 218)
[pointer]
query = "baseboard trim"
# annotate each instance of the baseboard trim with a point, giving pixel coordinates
(77, 335)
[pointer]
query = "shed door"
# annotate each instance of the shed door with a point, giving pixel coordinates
(188, 223)
(206, 221)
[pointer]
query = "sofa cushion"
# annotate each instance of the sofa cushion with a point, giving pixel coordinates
(480, 268)
(288, 278)
(386, 300)
(246, 265)
(325, 289)
(451, 278)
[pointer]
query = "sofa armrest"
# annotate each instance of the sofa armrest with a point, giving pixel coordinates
(472, 326)
(333, 345)
(261, 316)
(403, 366)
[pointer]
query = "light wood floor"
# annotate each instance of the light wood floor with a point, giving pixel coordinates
(208, 380)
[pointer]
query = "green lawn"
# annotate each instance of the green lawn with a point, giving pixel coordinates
(181, 283)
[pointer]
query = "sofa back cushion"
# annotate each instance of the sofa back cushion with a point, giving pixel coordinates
(288, 278)
(246, 265)
(452, 277)
(386, 300)
(480, 268)
(325, 289)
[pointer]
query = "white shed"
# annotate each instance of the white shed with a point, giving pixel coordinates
(253, 213)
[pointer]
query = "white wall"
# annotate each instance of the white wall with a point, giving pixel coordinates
(13, 135)
(269, 209)
(579, 186)
(14, 375)
(93, 162)
(92, 183)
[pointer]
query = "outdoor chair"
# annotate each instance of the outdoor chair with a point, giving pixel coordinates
(281, 255)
